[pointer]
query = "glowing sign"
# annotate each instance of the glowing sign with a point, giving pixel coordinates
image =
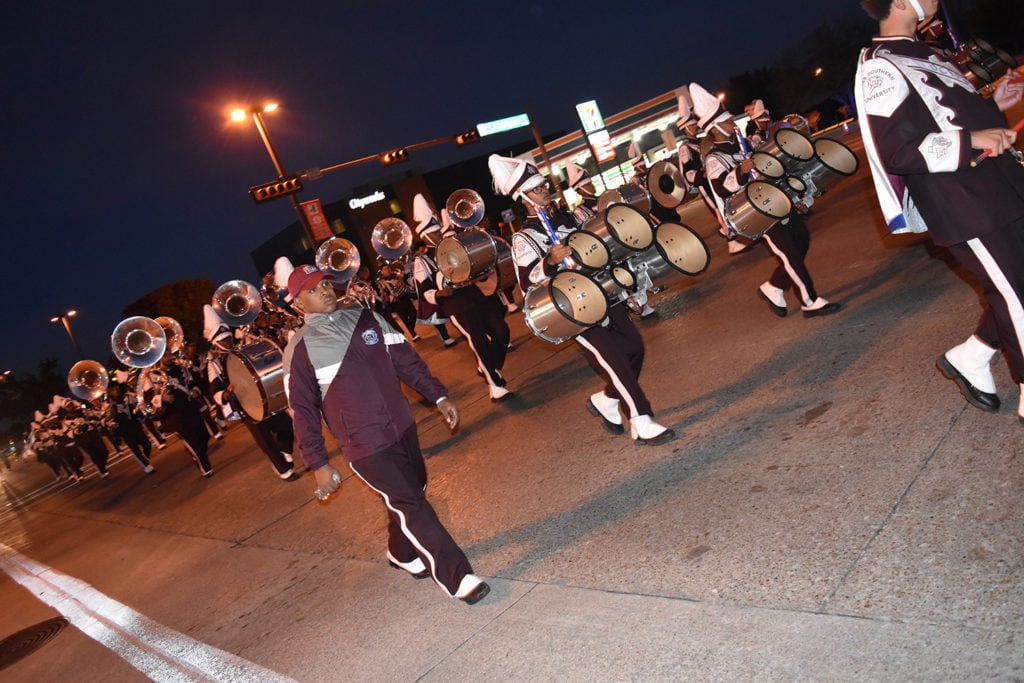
(360, 202)
(601, 143)
(501, 125)
(590, 116)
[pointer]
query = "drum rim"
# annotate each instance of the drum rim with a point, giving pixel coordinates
(571, 273)
(775, 188)
(614, 235)
(826, 142)
(782, 149)
(527, 307)
(700, 240)
(773, 156)
(597, 239)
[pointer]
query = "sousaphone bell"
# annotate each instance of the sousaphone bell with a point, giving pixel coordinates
(237, 303)
(391, 238)
(88, 380)
(465, 207)
(338, 257)
(138, 342)
(172, 330)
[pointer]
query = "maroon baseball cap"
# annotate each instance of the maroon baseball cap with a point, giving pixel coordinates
(305, 277)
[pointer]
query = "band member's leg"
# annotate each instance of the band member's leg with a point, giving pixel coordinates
(414, 530)
(789, 243)
(614, 354)
(474, 329)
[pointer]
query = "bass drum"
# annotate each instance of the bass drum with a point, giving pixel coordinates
(564, 305)
(256, 373)
(755, 208)
(503, 274)
(467, 255)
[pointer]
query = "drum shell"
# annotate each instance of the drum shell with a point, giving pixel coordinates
(756, 208)
(256, 374)
(504, 264)
(678, 249)
(565, 305)
(467, 255)
(835, 161)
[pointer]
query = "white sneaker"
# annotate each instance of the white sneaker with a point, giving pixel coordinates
(149, 469)
(736, 247)
(775, 297)
(645, 431)
(450, 341)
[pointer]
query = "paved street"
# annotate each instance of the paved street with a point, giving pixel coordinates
(832, 510)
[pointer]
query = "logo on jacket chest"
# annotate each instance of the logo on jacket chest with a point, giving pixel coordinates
(370, 337)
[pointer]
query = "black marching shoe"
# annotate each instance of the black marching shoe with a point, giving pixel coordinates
(975, 396)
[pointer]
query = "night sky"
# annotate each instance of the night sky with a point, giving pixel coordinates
(122, 172)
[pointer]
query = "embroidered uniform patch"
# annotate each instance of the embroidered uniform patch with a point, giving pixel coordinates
(370, 337)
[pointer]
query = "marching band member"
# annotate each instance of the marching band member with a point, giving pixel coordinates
(728, 171)
(424, 273)
(942, 161)
(86, 425)
(394, 298)
(691, 165)
(614, 349)
(128, 426)
(167, 389)
(345, 367)
(579, 180)
(273, 435)
(480, 318)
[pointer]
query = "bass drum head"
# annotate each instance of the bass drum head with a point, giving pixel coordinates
(256, 374)
(794, 144)
(682, 248)
(836, 156)
(768, 199)
(587, 249)
(467, 255)
(629, 227)
(768, 165)
(578, 298)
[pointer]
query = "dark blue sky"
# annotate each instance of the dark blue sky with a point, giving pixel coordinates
(121, 172)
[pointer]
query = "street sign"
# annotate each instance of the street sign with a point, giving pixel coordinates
(501, 125)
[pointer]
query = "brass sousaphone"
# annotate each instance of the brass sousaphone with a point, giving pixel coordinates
(237, 303)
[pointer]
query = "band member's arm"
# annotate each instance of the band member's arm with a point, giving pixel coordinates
(409, 366)
(303, 392)
(530, 262)
(725, 180)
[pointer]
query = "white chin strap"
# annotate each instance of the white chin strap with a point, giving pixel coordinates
(917, 8)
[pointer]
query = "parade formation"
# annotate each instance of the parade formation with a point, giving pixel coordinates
(331, 343)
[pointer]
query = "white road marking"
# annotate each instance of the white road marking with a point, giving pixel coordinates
(157, 651)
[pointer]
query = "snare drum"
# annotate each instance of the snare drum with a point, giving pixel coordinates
(467, 255)
(503, 274)
(833, 162)
(756, 208)
(564, 306)
(588, 249)
(256, 374)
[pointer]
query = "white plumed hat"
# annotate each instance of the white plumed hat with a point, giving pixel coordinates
(576, 173)
(706, 106)
(513, 176)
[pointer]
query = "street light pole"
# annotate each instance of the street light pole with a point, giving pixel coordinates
(257, 119)
(65, 319)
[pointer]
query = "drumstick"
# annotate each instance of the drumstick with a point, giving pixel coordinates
(987, 153)
(567, 262)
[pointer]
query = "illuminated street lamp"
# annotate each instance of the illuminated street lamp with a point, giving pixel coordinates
(256, 113)
(65, 318)
(818, 72)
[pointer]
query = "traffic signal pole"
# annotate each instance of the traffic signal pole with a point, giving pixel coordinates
(257, 118)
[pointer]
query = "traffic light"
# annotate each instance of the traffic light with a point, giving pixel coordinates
(394, 156)
(467, 137)
(275, 188)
